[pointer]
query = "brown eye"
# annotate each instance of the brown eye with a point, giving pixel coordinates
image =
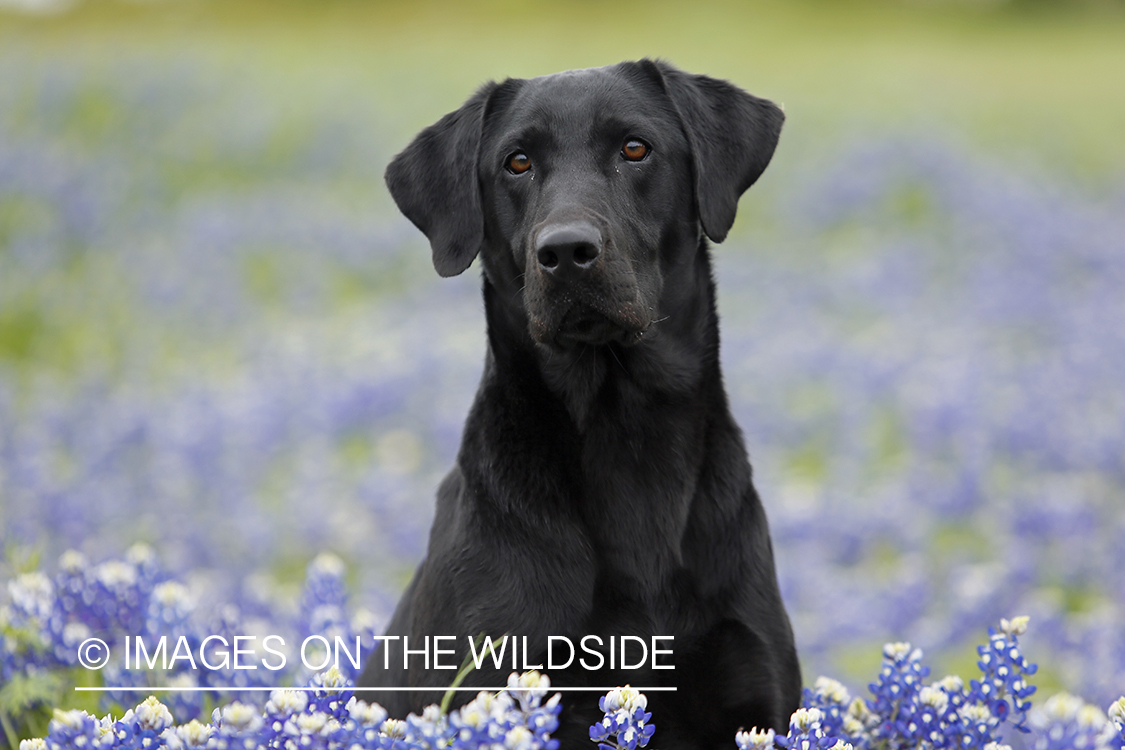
(518, 163)
(634, 150)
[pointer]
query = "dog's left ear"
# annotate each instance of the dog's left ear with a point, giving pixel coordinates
(434, 182)
(732, 135)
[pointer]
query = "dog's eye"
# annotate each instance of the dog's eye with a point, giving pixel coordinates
(518, 163)
(634, 150)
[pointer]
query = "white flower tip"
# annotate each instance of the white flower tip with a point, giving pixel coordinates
(151, 714)
(518, 737)
(1014, 626)
(332, 679)
(805, 719)
(755, 739)
(237, 716)
(1062, 707)
(531, 679)
(328, 565)
(625, 698)
(853, 727)
(114, 573)
(934, 697)
(172, 594)
(285, 701)
(393, 728)
(73, 561)
(951, 684)
(1091, 717)
(1117, 711)
(975, 713)
(831, 690)
(314, 723)
(73, 719)
(366, 714)
(365, 619)
(32, 592)
(140, 554)
(899, 651)
(859, 711)
(194, 733)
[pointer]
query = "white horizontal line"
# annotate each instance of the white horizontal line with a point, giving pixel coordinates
(218, 689)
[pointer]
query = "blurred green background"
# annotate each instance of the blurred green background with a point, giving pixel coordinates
(1031, 78)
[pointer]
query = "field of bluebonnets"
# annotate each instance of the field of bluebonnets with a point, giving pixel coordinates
(223, 353)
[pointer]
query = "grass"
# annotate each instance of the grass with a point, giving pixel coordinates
(1018, 79)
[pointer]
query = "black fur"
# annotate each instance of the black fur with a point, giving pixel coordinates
(602, 486)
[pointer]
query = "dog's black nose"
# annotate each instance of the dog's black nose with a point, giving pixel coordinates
(566, 251)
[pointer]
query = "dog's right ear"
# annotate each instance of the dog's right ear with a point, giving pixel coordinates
(434, 182)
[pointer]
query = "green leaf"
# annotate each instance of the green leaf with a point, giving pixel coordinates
(22, 692)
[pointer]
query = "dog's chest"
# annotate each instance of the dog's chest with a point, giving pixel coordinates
(637, 490)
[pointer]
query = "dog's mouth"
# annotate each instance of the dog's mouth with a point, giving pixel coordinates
(585, 325)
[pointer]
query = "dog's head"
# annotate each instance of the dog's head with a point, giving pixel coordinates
(581, 190)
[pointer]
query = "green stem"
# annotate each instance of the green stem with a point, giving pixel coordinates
(466, 666)
(9, 732)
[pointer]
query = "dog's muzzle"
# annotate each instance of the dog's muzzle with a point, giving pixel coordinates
(580, 293)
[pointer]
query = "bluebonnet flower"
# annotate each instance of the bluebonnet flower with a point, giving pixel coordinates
(480, 721)
(285, 702)
(905, 712)
(896, 692)
(333, 696)
(324, 595)
(806, 732)
(935, 713)
(117, 598)
(364, 714)
(1117, 719)
(1066, 722)
(832, 699)
(1003, 686)
(624, 725)
(70, 729)
(234, 724)
(190, 736)
(146, 722)
(528, 688)
(146, 565)
(536, 720)
(755, 739)
(33, 597)
(492, 721)
(168, 608)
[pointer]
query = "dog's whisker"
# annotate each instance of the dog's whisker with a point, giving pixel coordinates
(617, 360)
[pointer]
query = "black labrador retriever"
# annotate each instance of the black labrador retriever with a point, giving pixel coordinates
(602, 487)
